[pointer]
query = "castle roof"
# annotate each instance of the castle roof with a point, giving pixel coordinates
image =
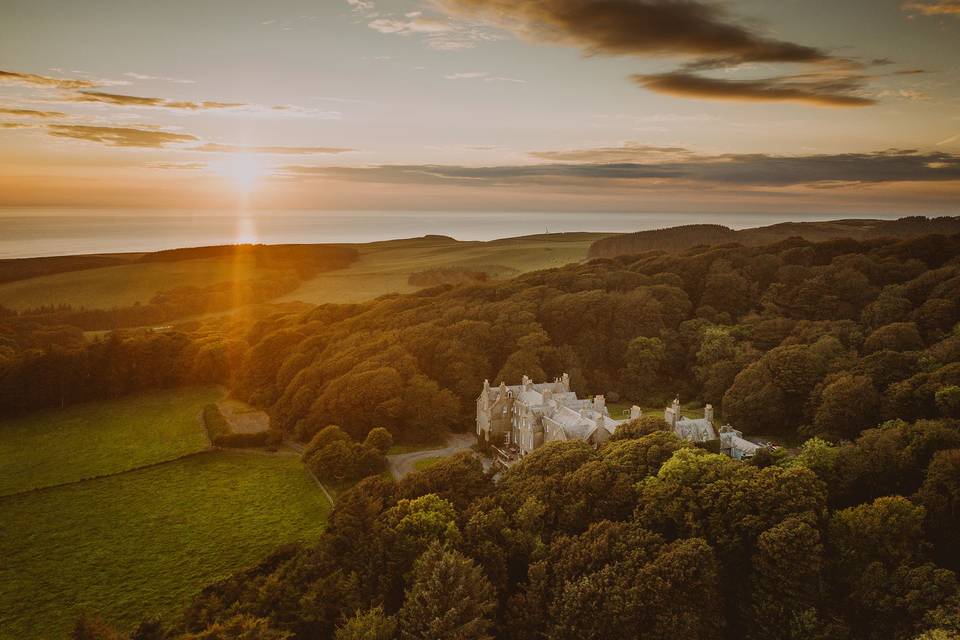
(695, 429)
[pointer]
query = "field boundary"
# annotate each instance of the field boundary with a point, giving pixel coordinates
(110, 475)
(299, 449)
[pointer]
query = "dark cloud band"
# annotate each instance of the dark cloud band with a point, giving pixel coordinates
(732, 169)
(836, 92)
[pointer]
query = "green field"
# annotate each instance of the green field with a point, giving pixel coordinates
(420, 465)
(384, 267)
(144, 542)
(87, 440)
(122, 285)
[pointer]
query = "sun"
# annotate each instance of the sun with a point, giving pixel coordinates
(243, 170)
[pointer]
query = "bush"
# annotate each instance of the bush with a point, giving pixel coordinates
(334, 457)
(215, 423)
(325, 437)
(218, 430)
(380, 439)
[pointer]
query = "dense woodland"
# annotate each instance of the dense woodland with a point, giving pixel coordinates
(851, 346)
(649, 537)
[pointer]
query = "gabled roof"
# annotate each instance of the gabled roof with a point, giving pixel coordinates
(695, 430)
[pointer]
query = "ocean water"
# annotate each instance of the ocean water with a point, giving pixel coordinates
(52, 232)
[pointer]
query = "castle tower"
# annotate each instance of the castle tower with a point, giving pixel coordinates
(708, 413)
(565, 382)
(599, 404)
(672, 413)
(635, 413)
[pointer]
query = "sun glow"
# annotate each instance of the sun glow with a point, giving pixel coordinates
(243, 170)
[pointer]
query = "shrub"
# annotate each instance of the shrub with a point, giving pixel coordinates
(215, 422)
(380, 439)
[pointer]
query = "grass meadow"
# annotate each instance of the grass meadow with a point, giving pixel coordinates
(144, 542)
(426, 463)
(120, 286)
(384, 267)
(53, 447)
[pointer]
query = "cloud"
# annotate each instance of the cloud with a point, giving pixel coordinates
(139, 101)
(14, 125)
(13, 77)
(441, 34)
(639, 27)
(408, 27)
(32, 113)
(738, 170)
(482, 75)
(143, 76)
(120, 136)
(934, 7)
(703, 32)
(362, 6)
(629, 152)
(86, 91)
(178, 166)
(821, 92)
(214, 147)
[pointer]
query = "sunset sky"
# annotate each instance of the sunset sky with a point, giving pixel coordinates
(646, 105)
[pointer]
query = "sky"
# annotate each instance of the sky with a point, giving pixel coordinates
(807, 106)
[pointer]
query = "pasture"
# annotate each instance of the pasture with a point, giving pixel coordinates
(144, 542)
(123, 285)
(53, 447)
(384, 267)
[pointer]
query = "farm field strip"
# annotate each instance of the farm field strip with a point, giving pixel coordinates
(59, 446)
(144, 542)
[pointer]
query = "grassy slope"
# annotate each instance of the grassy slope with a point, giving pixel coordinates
(420, 465)
(145, 542)
(119, 286)
(82, 441)
(384, 267)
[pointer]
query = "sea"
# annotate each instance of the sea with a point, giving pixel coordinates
(26, 233)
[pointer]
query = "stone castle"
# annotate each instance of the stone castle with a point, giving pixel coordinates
(519, 419)
(522, 418)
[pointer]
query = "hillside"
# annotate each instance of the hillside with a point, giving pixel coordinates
(676, 239)
(850, 348)
(130, 290)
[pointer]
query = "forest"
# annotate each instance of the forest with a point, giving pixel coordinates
(797, 339)
(851, 348)
(649, 537)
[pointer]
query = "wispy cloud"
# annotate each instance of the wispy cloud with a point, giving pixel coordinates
(140, 101)
(934, 7)
(120, 136)
(214, 147)
(486, 76)
(143, 76)
(13, 77)
(440, 33)
(31, 113)
(90, 91)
